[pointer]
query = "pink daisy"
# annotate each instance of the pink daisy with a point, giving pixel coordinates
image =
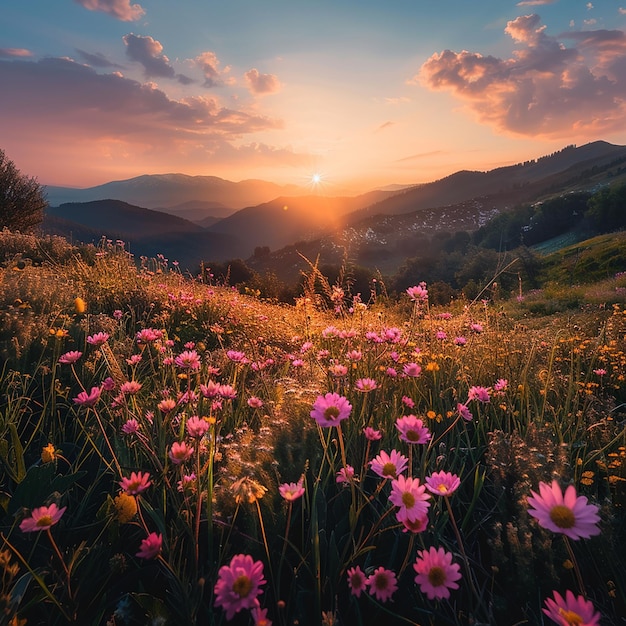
(478, 393)
(413, 370)
(464, 412)
(130, 387)
(98, 339)
(259, 616)
(196, 427)
(137, 483)
(88, 399)
(291, 491)
(389, 465)
(365, 384)
(412, 429)
(167, 405)
(337, 370)
(254, 402)
(570, 610)
(188, 360)
(371, 434)
(239, 584)
(150, 546)
(210, 390)
(356, 581)
(418, 292)
(345, 475)
(436, 573)
(418, 525)
(42, 518)
(130, 426)
(330, 409)
(180, 452)
(382, 584)
(442, 483)
(410, 496)
(564, 513)
(70, 357)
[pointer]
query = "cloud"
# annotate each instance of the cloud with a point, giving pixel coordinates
(545, 89)
(213, 75)
(119, 9)
(97, 60)
(148, 52)
(9, 53)
(384, 125)
(535, 3)
(261, 84)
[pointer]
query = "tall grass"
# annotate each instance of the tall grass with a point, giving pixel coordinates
(209, 395)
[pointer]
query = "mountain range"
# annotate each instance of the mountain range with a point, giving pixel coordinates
(203, 218)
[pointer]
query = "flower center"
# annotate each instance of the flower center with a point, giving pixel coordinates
(356, 580)
(389, 469)
(408, 499)
(442, 488)
(45, 520)
(562, 516)
(381, 582)
(436, 576)
(331, 413)
(571, 618)
(242, 586)
(412, 435)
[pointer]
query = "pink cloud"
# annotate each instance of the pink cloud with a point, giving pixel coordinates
(545, 88)
(261, 83)
(8, 53)
(122, 10)
(535, 3)
(210, 66)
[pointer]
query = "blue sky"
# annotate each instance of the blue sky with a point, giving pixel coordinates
(365, 92)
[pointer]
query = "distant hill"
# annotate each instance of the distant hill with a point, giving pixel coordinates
(165, 190)
(203, 212)
(146, 232)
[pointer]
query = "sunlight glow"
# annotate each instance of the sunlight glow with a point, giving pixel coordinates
(316, 179)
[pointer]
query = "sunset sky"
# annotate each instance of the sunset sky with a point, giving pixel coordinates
(363, 93)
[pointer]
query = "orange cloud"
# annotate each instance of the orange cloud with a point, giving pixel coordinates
(8, 53)
(213, 75)
(545, 89)
(122, 10)
(261, 83)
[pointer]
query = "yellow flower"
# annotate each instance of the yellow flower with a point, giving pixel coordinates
(125, 507)
(80, 306)
(248, 490)
(48, 454)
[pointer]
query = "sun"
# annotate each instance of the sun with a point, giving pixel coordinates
(316, 179)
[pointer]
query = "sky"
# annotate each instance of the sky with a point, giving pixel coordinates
(360, 93)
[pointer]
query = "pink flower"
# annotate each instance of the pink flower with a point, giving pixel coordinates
(356, 581)
(478, 393)
(464, 412)
(365, 384)
(98, 339)
(371, 434)
(239, 584)
(441, 334)
(570, 610)
(188, 360)
(130, 427)
(227, 392)
(146, 335)
(412, 429)
(476, 327)
(501, 385)
(150, 546)
(382, 584)
(237, 357)
(354, 355)
(418, 525)
(442, 483)
(436, 573)
(330, 409)
(345, 475)
(564, 513)
(410, 496)
(254, 402)
(413, 370)
(134, 359)
(179, 452)
(137, 483)
(117, 314)
(108, 384)
(460, 341)
(291, 491)
(259, 616)
(418, 293)
(389, 466)
(196, 427)
(42, 518)
(391, 372)
(167, 405)
(70, 357)
(408, 402)
(210, 390)
(88, 399)
(600, 372)
(130, 387)
(188, 481)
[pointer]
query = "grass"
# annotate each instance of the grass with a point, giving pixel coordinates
(158, 349)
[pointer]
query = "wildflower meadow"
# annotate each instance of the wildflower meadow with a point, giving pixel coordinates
(176, 452)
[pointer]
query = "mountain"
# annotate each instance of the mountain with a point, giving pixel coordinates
(504, 186)
(287, 219)
(163, 190)
(146, 232)
(203, 212)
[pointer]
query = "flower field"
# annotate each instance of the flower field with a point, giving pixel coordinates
(175, 452)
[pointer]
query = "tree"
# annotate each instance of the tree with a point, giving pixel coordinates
(22, 199)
